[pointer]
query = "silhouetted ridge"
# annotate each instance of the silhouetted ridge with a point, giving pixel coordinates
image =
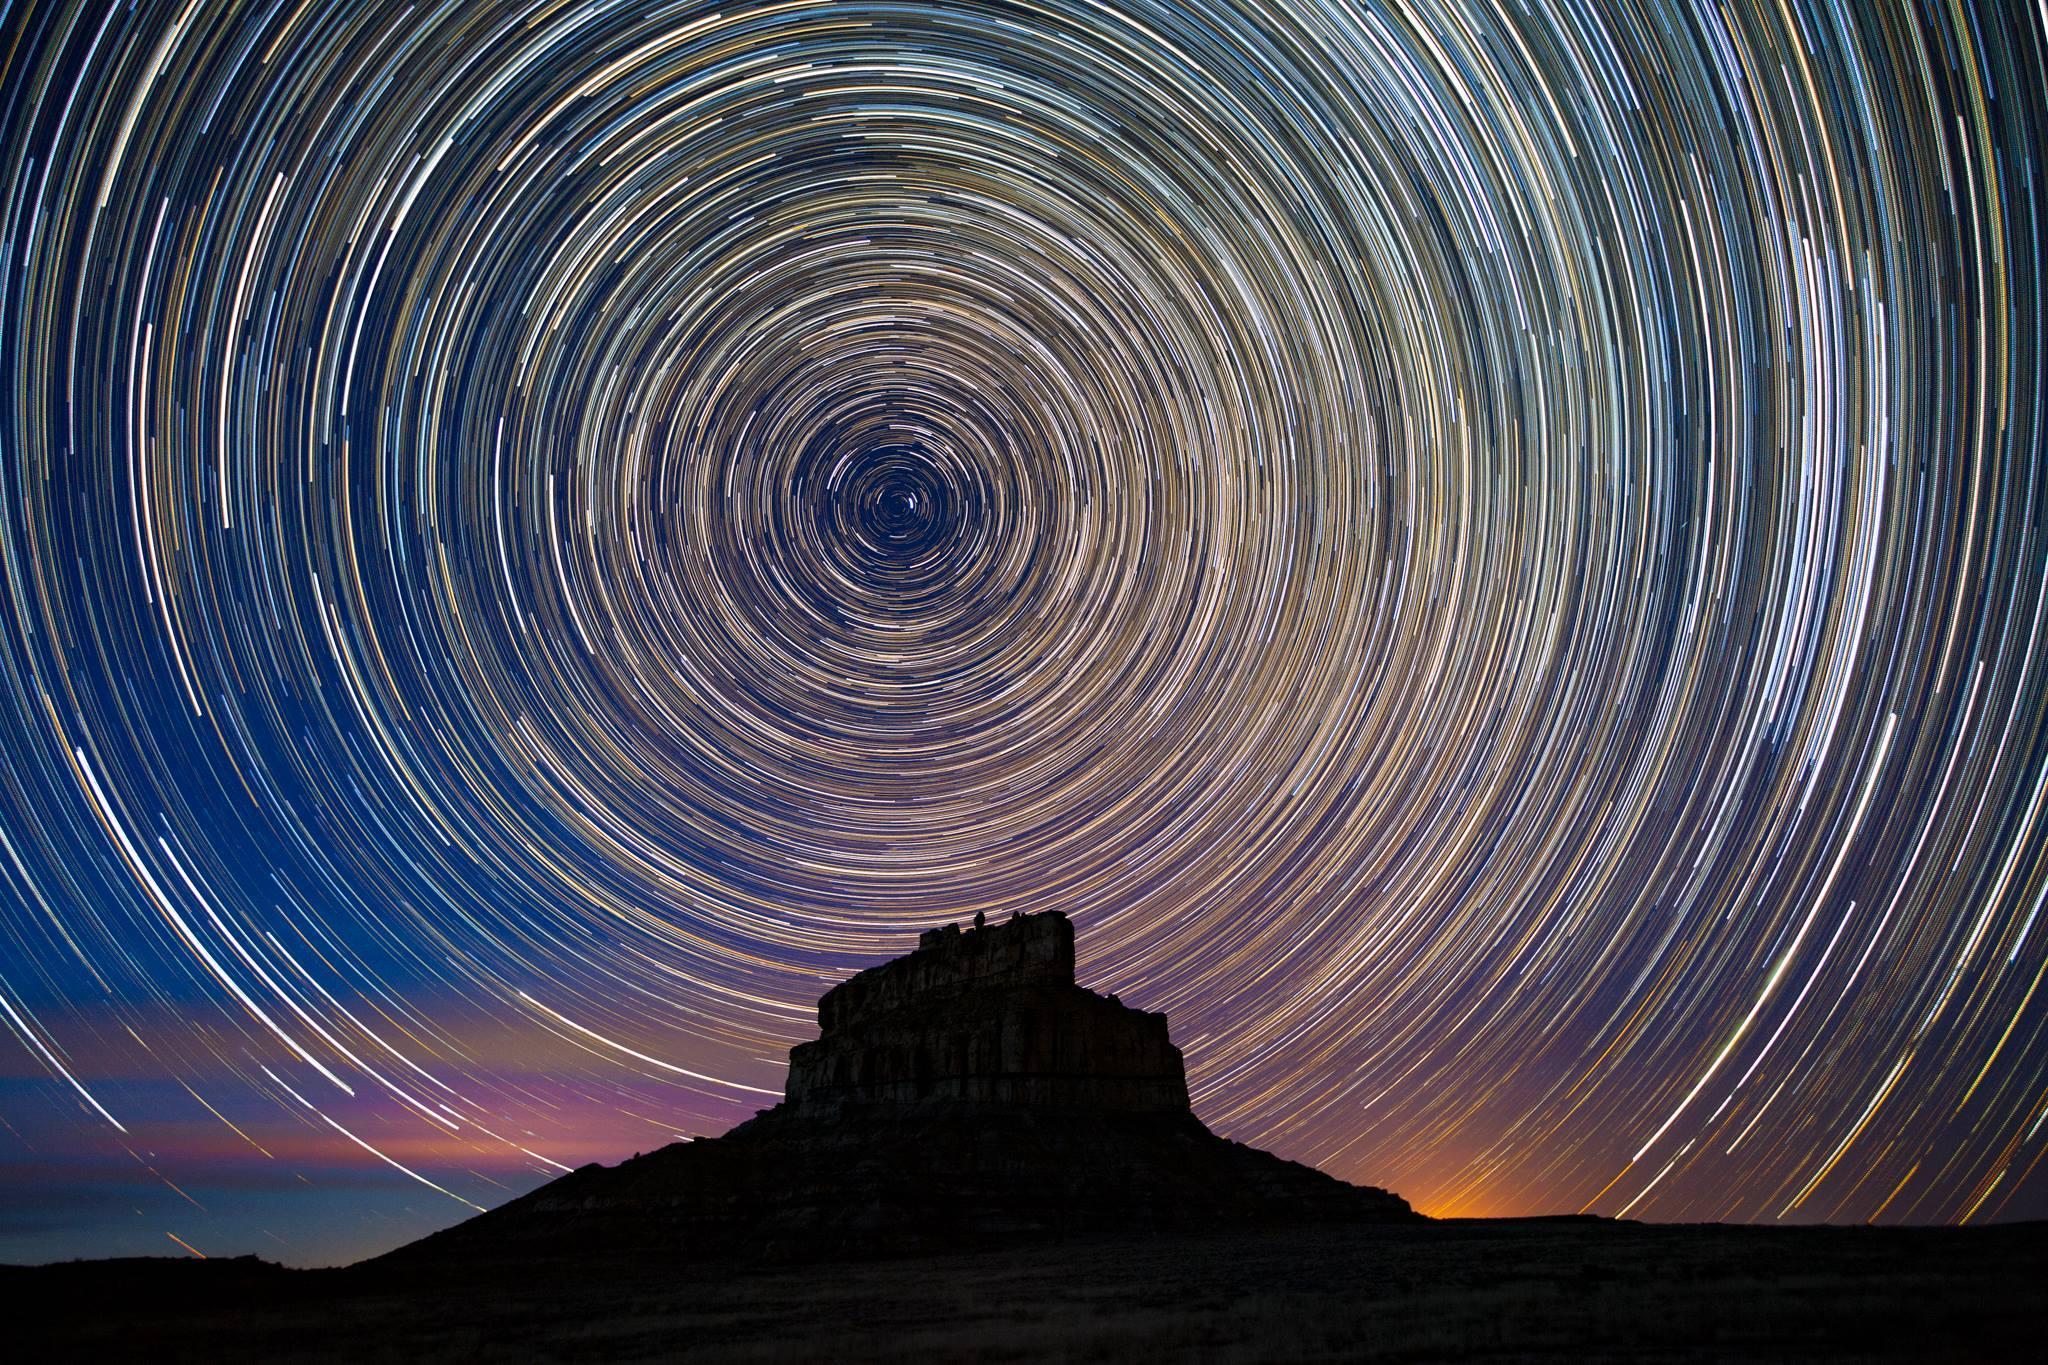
(964, 1093)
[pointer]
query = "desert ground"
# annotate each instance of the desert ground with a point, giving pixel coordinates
(1496, 1290)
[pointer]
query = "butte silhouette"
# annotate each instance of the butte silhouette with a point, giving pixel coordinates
(968, 1093)
(970, 1098)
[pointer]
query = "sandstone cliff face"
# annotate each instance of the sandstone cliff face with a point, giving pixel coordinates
(986, 1015)
(1028, 950)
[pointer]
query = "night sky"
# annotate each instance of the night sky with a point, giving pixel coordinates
(1491, 555)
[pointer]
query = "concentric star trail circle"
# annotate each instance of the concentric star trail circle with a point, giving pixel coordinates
(1491, 556)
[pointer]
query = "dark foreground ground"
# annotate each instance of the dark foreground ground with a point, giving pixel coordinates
(1562, 1289)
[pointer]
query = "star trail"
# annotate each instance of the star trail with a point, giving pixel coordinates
(1491, 556)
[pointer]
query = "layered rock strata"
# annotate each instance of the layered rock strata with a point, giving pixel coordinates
(988, 1016)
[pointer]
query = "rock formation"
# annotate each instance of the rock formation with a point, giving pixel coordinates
(987, 1016)
(967, 1093)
